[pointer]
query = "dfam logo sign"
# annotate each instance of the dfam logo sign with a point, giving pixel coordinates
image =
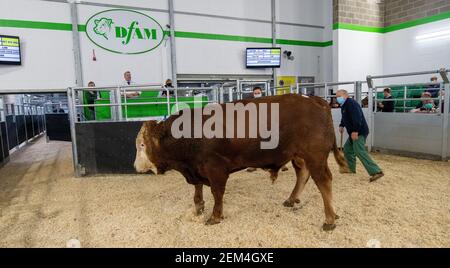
(124, 31)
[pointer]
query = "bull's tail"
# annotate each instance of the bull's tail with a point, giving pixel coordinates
(343, 166)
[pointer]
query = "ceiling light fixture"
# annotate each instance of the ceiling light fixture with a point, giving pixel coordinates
(440, 34)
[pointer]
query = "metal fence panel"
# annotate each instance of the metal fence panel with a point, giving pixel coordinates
(408, 132)
(448, 138)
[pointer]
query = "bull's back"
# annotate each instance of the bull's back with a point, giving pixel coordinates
(305, 124)
(307, 121)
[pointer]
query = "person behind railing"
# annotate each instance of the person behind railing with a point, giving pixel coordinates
(128, 82)
(426, 106)
(167, 85)
(387, 106)
(434, 88)
(257, 93)
(365, 102)
(334, 104)
(355, 123)
(91, 96)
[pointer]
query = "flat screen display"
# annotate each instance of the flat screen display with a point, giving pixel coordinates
(10, 50)
(263, 57)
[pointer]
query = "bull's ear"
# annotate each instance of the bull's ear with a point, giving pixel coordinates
(153, 129)
(149, 126)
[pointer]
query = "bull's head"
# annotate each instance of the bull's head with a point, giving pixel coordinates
(147, 142)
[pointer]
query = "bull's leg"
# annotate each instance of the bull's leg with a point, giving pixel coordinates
(323, 179)
(198, 199)
(303, 175)
(217, 190)
(217, 174)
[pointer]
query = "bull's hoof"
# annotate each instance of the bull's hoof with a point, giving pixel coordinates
(212, 221)
(290, 203)
(199, 208)
(328, 227)
(199, 211)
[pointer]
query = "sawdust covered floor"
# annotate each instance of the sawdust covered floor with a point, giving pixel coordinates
(42, 205)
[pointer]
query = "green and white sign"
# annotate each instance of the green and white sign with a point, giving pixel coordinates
(124, 31)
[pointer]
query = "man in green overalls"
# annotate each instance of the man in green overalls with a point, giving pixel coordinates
(355, 123)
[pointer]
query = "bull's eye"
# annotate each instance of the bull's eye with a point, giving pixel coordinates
(142, 145)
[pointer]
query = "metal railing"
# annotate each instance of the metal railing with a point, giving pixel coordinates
(23, 110)
(355, 91)
(2, 109)
(445, 88)
(236, 90)
(119, 98)
(405, 88)
(291, 89)
(54, 108)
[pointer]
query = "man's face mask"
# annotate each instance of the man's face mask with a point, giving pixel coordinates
(340, 100)
(428, 106)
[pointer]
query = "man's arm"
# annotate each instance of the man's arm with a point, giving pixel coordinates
(356, 114)
(341, 125)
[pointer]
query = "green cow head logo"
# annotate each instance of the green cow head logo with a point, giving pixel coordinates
(124, 31)
(103, 27)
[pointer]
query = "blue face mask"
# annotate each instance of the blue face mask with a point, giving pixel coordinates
(340, 100)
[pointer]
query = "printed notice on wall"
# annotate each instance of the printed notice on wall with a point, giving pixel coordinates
(9, 50)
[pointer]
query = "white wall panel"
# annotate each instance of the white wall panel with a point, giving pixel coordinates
(47, 57)
(404, 53)
(250, 9)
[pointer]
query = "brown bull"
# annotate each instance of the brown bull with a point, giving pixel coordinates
(306, 137)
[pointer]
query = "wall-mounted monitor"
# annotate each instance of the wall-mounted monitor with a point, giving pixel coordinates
(263, 57)
(10, 50)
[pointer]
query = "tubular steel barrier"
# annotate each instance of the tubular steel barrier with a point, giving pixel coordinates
(355, 89)
(424, 134)
(115, 106)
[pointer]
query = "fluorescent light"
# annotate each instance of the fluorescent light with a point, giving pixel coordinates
(440, 34)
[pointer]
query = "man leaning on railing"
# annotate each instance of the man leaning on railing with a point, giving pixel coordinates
(426, 106)
(129, 82)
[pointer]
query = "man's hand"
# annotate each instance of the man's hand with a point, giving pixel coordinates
(355, 136)
(341, 129)
(132, 94)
